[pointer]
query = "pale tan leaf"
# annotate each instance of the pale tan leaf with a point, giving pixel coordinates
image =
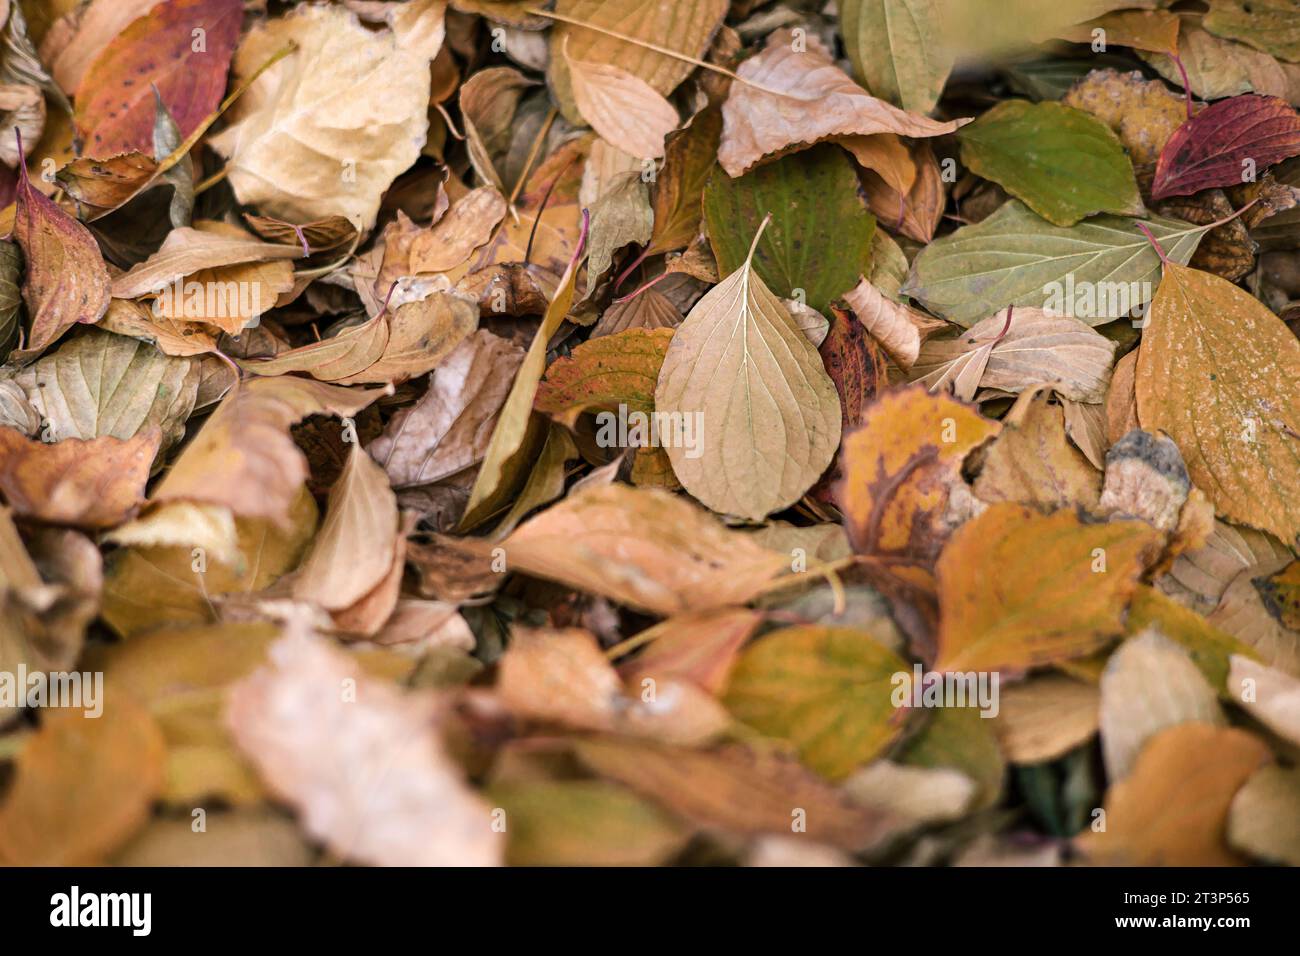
(369, 775)
(622, 108)
(1149, 684)
(1037, 348)
(899, 328)
(354, 549)
(768, 414)
(794, 97)
(1045, 717)
(645, 548)
(327, 129)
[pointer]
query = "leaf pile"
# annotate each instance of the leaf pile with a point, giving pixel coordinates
(479, 432)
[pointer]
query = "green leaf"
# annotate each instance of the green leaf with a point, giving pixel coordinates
(1014, 258)
(585, 823)
(896, 50)
(1065, 164)
(820, 237)
(826, 689)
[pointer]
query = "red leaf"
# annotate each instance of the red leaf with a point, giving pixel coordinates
(1210, 148)
(115, 102)
(66, 281)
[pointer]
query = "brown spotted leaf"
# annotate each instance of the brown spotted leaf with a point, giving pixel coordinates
(1220, 374)
(182, 49)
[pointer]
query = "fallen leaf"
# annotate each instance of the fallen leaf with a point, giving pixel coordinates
(160, 52)
(819, 242)
(449, 428)
(771, 112)
(765, 431)
(1031, 462)
(1262, 817)
(1269, 695)
(899, 470)
(65, 280)
(1015, 258)
(898, 327)
(622, 107)
(827, 690)
(685, 27)
(1224, 142)
(1060, 591)
(1267, 25)
(353, 550)
(296, 724)
(1172, 809)
(898, 49)
(1063, 163)
(1017, 349)
(682, 560)
(735, 790)
(1220, 374)
(1045, 717)
(83, 786)
(346, 109)
(584, 823)
(1149, 684)
(243, 458)
(96, 483)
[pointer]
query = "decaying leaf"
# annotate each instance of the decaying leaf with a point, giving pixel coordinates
(345, 103)
(1220, 374)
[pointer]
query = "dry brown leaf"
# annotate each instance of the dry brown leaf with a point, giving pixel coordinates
(468, 224)
(448, 429)
(764, 427)
(243, 458)
(84, 784)
(1032, 463)
(1269, 695)
(326, 130)
(1045, 717)
(794, 97)
(1019, 348)
(899, 328)
(366, 768)
(1172, 809)
(917, 212)
(97, 483)
(622, 107)
(353, 550)
(734, 790)
(1149, 684)
(645, 548)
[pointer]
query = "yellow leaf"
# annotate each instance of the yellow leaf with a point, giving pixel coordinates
(1019, 589)
(1220, 374)
(826, 689)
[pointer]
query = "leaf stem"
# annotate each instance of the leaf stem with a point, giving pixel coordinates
(753, 247)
